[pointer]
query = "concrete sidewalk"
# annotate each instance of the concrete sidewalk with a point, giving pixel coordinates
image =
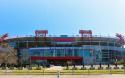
(65, 76)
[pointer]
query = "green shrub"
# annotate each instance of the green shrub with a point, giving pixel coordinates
(116, 67)
(67, 68)
(3, 68)
(74, 68)
(29, 68)
(100, 68)
(92, 68)
(38, 68)
(20, 68)
(83, 68)
(11, 68)
(108, 68)
(123, 67)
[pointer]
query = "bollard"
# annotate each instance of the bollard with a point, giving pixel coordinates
(58, 74)
(72, 71)
(88, 71)
(43, 71)
(124, 70)
(110, 71)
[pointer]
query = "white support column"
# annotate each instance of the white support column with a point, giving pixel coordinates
(27, 46)
(113, 52)
(73, 50)
(108, 51)
(100, 51)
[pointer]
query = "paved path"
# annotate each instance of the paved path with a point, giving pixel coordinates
(64, 76)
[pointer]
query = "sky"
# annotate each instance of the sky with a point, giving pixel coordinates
(23, 17)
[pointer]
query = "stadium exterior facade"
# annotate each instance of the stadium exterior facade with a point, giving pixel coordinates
(87, 49)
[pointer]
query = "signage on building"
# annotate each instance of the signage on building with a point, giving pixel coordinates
(41, 33)
(85, 33)
(64, 39)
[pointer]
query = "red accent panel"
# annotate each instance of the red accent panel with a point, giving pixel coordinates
(64, 39)
(55, 58)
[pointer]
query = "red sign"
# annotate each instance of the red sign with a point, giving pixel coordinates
(56, 58)
(64, 39)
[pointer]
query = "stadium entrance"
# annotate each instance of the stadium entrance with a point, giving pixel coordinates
(59, 60)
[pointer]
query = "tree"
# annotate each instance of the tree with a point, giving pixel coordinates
(83, 65)
(100, 65)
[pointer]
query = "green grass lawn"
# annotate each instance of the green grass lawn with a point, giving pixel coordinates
(62, 72)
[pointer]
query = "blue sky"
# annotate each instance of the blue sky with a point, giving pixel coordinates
(22, 17)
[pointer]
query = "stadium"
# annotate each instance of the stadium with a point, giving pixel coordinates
(84, 48)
